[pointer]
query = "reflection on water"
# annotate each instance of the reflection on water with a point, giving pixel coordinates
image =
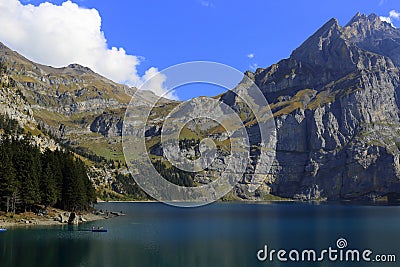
(154, 234)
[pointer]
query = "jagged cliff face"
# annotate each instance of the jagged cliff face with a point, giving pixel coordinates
(336, 107)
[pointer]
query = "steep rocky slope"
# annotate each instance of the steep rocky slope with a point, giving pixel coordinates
(336, 107)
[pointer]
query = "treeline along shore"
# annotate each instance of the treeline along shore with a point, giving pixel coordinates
(30, 178)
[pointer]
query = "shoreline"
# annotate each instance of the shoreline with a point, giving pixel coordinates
(55, 217)
(218, 201)
(318, 201)
(128, 201)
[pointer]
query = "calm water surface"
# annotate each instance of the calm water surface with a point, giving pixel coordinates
(154, 234)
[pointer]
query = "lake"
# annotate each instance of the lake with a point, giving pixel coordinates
(220, 234)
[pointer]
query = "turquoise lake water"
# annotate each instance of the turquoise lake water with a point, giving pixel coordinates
(220, 234)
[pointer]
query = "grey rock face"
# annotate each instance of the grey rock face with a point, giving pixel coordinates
(108, 125)
(73, 219)
(341, 141)
(370, 33)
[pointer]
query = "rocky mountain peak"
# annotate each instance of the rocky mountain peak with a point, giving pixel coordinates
(333, 52)
(319, 41)
(367, 32)
(324, 57)
(79, 68)
(372, 34)
(363, 19)
(362, 27)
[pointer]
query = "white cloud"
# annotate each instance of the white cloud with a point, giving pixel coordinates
(387, 19)
(251, 55)
(207, 4)
(59, 35)
(394, 14)
(154, 78)
(254, 66)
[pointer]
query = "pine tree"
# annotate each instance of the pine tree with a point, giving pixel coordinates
(90, 192)
(27, 161)
(7, 176)
(48, 187)
(74, 190)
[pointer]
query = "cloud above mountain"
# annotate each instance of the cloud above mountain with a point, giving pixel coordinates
(393, 15)
(59, 35)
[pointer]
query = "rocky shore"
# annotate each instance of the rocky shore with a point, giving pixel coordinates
(53, 217)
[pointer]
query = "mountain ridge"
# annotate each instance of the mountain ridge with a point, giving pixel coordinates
(335, 102)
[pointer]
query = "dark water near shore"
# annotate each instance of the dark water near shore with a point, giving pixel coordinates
(154, 234)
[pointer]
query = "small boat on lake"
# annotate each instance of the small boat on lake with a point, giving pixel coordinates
(99, 230)
(3, 230)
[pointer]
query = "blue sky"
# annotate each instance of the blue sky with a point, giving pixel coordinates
(242, 34)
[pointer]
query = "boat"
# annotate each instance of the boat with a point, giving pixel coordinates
(99, 230)
(3, 230)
